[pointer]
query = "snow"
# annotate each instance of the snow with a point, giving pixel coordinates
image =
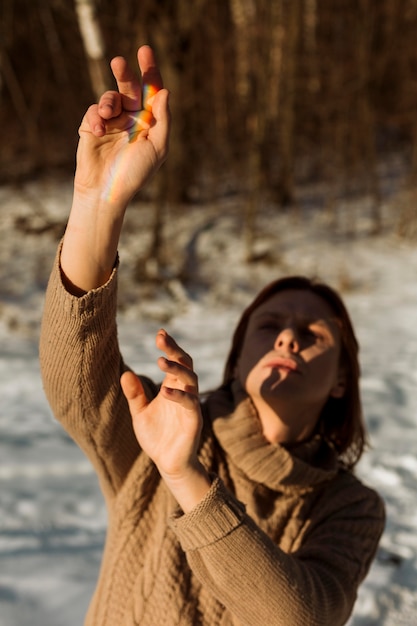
(52, 516)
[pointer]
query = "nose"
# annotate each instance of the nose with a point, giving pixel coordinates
(287, 339)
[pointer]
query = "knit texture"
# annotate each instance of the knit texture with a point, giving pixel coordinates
(284, 536)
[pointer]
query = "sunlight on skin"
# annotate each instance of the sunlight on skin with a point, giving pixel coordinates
(143, 121)
(149, 92)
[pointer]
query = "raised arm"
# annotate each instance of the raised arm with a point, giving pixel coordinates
(123, 142)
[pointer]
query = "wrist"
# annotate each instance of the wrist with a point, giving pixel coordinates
(91, 241)
(189, 487)
(97, 200)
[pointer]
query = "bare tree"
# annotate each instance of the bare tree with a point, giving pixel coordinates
(258, 88)
(93, 45)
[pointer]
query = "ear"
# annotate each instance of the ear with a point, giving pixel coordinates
(339, 388)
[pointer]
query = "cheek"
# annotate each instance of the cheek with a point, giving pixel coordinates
(326, 367)
(242, 371)
(246, 384)
(249, 357)
(248, 374)
(249, 380)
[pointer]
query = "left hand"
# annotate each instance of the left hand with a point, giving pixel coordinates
(168, 428)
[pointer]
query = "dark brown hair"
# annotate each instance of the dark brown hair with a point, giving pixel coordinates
(341, 421)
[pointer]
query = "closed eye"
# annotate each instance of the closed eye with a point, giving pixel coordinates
(269, 326)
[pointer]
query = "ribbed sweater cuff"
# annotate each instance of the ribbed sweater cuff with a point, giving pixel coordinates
(217, 515)
(89, 305)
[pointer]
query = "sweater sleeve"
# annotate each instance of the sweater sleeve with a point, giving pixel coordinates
(81, 367)
(259, 583)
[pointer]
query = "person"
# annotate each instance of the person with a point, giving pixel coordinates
(241, 507)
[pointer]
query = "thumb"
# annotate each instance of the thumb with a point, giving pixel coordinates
(162, 115)
(134, 392)
(159, 104)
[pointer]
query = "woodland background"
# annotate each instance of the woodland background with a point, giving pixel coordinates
(267, 96)
(294, 125)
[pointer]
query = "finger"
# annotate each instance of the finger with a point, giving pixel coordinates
(167, 344)
(127, 83)
(151, 76)
(177, 374)
(134, 392)
(186, 400)
(93, 122)
(110, 105)
(160, 130)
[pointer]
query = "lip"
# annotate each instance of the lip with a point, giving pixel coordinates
(283, 363)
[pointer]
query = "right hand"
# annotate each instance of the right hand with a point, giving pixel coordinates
(124, 138)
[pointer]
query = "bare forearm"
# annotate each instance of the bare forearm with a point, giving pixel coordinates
(90, 243)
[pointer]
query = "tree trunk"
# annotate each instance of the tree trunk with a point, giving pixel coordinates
(93, 45)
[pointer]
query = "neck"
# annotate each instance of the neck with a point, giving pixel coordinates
(279, 428)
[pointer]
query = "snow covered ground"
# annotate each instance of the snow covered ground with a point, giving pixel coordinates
(52, 518)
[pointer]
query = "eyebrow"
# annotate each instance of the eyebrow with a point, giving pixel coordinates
(321, 321)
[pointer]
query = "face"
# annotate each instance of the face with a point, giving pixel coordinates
(289, 363)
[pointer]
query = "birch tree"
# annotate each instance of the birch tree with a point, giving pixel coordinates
(93, 42)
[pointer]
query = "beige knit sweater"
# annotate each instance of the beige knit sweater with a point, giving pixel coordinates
(281, 539)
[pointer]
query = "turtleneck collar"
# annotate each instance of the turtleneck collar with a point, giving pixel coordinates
(236, 425)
